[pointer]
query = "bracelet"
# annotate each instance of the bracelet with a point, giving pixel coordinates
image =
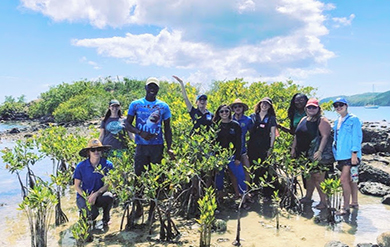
(320, 151)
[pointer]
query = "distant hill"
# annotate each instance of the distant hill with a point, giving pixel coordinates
(381, 99)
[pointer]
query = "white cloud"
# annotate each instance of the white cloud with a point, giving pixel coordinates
(343, 21)
(214, 40)
(95, 65)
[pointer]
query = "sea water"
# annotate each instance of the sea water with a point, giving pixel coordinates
(366, 115)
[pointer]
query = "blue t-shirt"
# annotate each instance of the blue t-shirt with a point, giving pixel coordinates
(149, 118)
(245, 124)
(91, 181)
(114, 134)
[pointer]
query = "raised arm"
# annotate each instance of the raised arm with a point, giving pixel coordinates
(168, 137)
(184, 93)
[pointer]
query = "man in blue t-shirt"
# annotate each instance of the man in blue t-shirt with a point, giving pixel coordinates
(152, 119)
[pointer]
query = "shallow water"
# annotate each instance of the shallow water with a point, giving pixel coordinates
(258, 228)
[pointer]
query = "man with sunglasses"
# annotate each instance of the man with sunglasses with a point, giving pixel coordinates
(348, 137)
(152, 120)
(200, 115)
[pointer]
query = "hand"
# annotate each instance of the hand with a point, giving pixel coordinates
(237, 162)
(178, 79)
(92, 198)
(317, 155)
(147, 136)
(293, 153)
(171, 154)
(354, 160)
(269, 152)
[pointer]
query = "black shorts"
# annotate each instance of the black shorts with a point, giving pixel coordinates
(145, 155)
(342, 163)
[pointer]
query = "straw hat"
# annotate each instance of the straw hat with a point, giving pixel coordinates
(239, 102)
(93, 143)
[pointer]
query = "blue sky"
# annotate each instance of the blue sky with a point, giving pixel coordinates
(339, 47)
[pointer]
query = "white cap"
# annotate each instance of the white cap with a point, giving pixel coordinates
(153, 80)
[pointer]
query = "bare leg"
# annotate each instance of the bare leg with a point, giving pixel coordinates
(318, 179)
(354, 193)
(345, 180)
(310, 185)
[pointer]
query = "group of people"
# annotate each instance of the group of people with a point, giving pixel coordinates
(344, 147)
(152, 126)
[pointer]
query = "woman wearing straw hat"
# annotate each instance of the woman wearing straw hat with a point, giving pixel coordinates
(261, 140)
(246, 123)
(89, 183)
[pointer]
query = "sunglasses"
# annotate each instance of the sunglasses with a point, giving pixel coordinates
(224, 111)
(202, 99)
(95, 149)
(312, 107)
(237, 106)
(335, 105)
(115, 105)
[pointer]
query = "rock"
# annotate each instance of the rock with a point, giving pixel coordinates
(374, 189)
(383, 160)
(334, 243)
(14, 131)
(367, 245)
(374, 134)
(382, 147)
(386, 200)
(220, 226)
(368, 173)
(383, 240)
(368, 148)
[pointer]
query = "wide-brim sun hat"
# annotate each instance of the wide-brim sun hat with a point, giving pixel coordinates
(266, 99)
(239, 102)
(93, 143)
(340, 100)
(153, 80)
(313, 102)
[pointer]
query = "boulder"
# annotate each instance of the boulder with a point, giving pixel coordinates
(374, 189)
(369, 173)
(14, 131)
(386, 200)
(375, 134)
(335, 243)
(383, 240)
(366, 245)
(382, 147)
(368, 148)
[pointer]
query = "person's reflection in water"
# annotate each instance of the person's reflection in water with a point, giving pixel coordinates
(351, 218)
(268, 209)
